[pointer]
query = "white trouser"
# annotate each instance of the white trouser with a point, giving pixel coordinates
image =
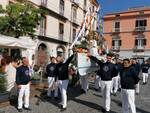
(105, 88)
(24, 91)
(97, 81)
(128, 100)
(63, 84)
(52, 86)
(115, 84)
(119, 82)
(137, 88)
(84, 82)
(145, 77)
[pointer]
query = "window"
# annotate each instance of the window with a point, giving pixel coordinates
(61, 7)
(140, 43)
(117, 27)
(44, 3)
(43, 26)
(85, 4)
(74, 13)
(61, 31)
(73, 34)
(141, 25)
(116, 43)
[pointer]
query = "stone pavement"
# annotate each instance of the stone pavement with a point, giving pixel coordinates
(84, 103)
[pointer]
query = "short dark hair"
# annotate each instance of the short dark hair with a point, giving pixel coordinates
(128, 60)
(109, 54)
(52, 57)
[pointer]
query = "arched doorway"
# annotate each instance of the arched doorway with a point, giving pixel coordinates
(61, 51)
(42, 55)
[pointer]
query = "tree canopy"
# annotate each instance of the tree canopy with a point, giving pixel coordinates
(20, 19)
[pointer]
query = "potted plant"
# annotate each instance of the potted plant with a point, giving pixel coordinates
(35, 77)
(4, 94)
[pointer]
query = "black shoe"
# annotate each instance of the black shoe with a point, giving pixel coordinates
(20, 110)
(82, 91)
(103, 110)
(29, 109)
(56, 98)
(63, 109)
(115, 94)
(96, 89)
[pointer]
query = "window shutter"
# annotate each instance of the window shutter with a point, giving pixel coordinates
(113, 42)
(120, 42)
(144, 42)
(136, 42)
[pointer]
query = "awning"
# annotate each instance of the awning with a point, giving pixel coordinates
(7, 41)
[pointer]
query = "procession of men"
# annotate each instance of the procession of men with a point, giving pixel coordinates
(113, 75)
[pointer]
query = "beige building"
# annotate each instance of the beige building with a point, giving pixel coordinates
(58, 28)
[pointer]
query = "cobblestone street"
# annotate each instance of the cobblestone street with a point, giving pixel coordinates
(85, 103)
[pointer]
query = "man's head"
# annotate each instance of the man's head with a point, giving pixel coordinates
(126, 62)
(60, 59)
(133, 61)
(53, 59)
(14, 62)
(109, 57)
(25, 61)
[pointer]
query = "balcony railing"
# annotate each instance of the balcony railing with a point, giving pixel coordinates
(140, 28)
(75, 1)
(61, 10)
(44, 3)
(61, 36)
(116, 30)
(139, 47)
(42, 32)
(115, 48)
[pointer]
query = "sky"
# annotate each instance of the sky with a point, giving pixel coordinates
(109, 6)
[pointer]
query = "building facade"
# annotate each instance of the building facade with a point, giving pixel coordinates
(128, 33)
(58, 28)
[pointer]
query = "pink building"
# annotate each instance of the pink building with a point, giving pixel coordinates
(128, 33)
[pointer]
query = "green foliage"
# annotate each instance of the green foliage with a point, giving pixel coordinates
(35, 76)
(3, 83)
(20, 19)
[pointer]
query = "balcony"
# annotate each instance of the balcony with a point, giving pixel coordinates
(61, 36)
(75, 3)
(44, 3)
(42, 32)
(139, 49)
(140, 29)
(116, 48)
(116, 31)
(61, 11)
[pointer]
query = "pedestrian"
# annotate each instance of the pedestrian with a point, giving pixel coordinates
(129, 79)
(137, 67)
(115, 80)
(97, 81)
(50, 70)
(23, 84)
(62, 75)
(145, 67)
(107, 72)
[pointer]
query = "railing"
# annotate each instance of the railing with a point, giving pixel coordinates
(115, 47)
(116, 30)
(61, 36)
(140, 28)
(61, 10)
(42, 32)
(44, 3)
(139, 47)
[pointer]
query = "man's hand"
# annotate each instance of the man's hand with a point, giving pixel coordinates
(19, 86)
(88, 54)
